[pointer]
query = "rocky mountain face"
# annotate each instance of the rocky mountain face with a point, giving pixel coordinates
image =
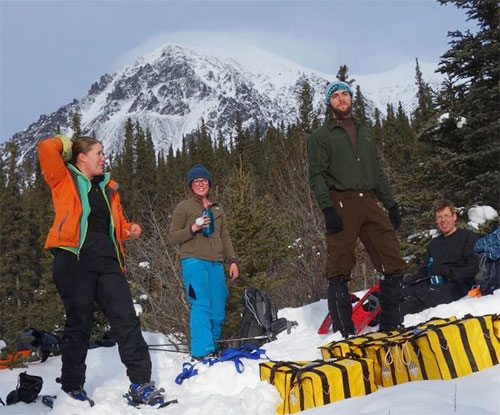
(171, 89)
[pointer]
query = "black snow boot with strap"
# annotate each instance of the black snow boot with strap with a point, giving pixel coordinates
(390, 302)
(340, 307)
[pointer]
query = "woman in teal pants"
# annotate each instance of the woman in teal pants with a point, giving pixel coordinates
(202, 258)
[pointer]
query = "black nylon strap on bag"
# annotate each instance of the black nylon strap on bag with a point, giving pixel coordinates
(27, 390)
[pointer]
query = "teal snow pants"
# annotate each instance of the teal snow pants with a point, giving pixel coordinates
(207, 292)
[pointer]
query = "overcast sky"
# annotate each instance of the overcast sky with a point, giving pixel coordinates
(52, 51)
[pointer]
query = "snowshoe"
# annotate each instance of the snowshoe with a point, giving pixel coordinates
(147, 394)
(79, 395)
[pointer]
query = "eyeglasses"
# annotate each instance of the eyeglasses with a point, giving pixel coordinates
(200, 182)
(443, 217)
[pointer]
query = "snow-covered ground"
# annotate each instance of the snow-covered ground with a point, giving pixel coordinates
(220, 390)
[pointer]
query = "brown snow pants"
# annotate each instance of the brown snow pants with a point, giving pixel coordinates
(363, 218)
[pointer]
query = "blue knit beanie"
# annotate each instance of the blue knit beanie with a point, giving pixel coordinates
(336, 86)
(198, 171)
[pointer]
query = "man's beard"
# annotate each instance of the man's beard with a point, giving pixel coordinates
(339, 113)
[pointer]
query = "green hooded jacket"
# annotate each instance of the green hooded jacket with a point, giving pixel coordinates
(334, 163)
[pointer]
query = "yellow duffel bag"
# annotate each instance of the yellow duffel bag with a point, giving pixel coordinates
(283, 375)
(333, 380)
(304, 385)
(397, 357)
(402, 360)
(461, 347)
(496, 325)
(348, 347)
(345, 348)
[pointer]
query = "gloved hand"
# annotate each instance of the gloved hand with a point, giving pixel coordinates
(395, 217)
(333, 221)
(440, 269)
(67, 147)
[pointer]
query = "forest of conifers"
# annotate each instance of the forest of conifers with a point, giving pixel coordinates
(260, 178)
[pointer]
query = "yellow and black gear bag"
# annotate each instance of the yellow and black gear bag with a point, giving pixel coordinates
(304, 385)
(334, 380)
(346, 348)
(496, 325)
(283, 375)
(392, 366)
(402, 361)
(461, 347)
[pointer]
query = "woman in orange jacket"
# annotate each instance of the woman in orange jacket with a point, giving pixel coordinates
(86, 240)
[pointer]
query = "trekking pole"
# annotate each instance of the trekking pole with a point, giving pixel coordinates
(419, 280)
(242, 338)
(168, 344)
(171, 351)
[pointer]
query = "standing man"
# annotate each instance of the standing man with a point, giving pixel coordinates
(347, 179)
(453, 260)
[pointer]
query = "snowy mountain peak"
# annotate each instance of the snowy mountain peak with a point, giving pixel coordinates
(170, 89)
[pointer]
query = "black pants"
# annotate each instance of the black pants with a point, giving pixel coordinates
(422, 295)
(80, 283)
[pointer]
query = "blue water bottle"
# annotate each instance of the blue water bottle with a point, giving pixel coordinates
(209, 230)
(434, 279)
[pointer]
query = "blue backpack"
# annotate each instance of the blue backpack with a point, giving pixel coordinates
(488, 248)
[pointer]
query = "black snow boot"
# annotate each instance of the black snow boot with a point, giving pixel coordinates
(390, 301)
(340, 307)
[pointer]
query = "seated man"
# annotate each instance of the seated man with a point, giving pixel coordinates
(450, 257)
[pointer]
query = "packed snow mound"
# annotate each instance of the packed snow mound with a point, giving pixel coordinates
(220, 390)
(480, 214)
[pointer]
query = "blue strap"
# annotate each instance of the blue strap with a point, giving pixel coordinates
(233, 354)
(188, 371)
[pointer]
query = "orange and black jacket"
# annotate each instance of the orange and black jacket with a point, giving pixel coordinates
(70, 189)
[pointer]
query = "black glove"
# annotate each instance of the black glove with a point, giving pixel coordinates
(395, 217)
(333, 221)
(440, 269)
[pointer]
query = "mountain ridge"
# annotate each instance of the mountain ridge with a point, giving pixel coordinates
(170, 89)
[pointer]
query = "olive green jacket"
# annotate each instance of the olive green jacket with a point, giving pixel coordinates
(216, 247)
(334, 163)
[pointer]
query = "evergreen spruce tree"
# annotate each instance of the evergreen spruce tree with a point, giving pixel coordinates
(258, 237)
(343, 75)
(221, 155)
(203, 150)
(305, 107)
(76, 124)
(425, 111)
(377, 126)
(467, 142)
(18, 279)
(241, 143)
(359, 107)
(127, 167)
(145, 171)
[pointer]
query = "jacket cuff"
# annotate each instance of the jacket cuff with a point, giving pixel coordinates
(233, 260)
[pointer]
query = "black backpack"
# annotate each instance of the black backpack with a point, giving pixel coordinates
(27, 390)
(42, 341)
(260, 319)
